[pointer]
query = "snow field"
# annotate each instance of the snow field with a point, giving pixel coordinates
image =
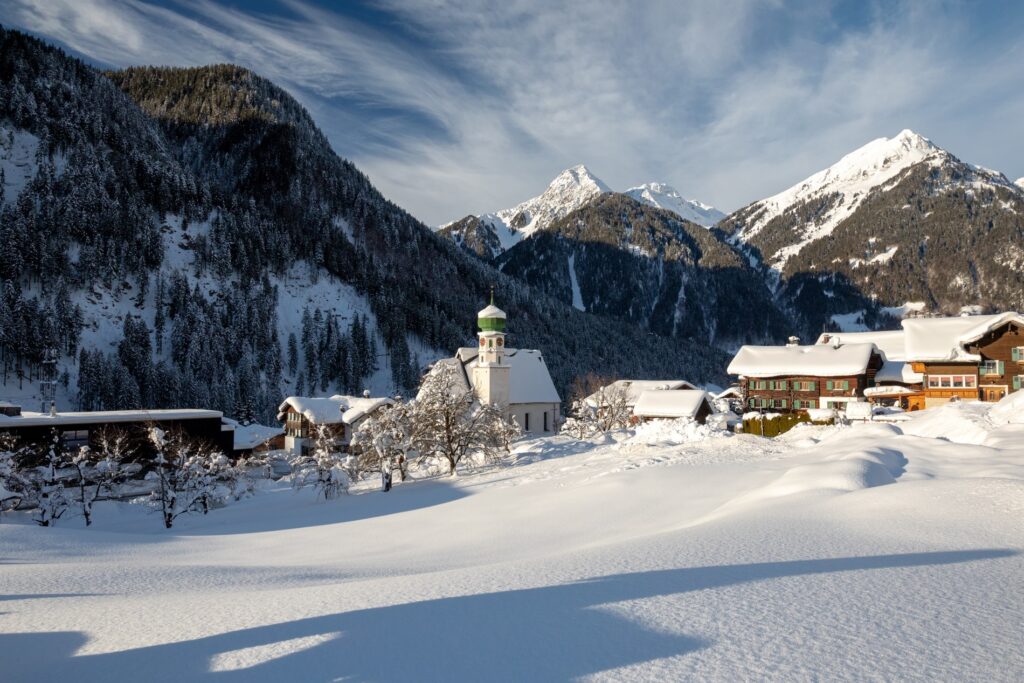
(866, 552)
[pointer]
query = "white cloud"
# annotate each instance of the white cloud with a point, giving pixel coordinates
(471, 108)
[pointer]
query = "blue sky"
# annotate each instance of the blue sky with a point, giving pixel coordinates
(457, 107)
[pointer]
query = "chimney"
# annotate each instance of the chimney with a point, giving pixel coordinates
(793, 341)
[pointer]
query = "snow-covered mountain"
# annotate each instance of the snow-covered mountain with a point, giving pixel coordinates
(902, 205)
(491, 234)
(1019, 182)
(663, 196)
(820, 203)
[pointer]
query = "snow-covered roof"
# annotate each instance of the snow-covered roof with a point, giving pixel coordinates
(105, 417)
(891, 344)
(491, 311)
(888, 342)
(331, 410)
(671, 403)
(819, 360)
(730, 392)
(529, 379)
(635, 387)
(943, 339)
(252, 435)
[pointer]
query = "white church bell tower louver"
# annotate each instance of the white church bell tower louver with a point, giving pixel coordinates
(491, 374)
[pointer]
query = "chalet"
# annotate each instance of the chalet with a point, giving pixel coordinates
(793, 377)
(77, 429)
(896, 381)
(975, 357)
(341, 415)
(516, 379)
(671, 404)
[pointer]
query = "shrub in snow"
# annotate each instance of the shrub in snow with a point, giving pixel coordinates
(190, 477)
(325, 468)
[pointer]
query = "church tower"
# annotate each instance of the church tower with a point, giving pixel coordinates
(491, 374)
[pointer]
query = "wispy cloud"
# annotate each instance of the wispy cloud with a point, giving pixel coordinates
(456, 107)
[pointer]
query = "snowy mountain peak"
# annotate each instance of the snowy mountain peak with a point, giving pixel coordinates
(849, 181)
(664, 196)
(1019, 182)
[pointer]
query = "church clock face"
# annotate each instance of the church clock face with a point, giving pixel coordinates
(501, 342)
(482, 342)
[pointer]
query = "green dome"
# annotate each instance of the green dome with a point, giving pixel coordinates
(491, 319)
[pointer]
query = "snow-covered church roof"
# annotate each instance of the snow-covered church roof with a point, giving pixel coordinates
(672, 403)
(943, 339)
(529, 379)
(819, 360)
(331, 410)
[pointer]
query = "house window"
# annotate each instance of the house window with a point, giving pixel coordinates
(992, 367)
(952, 382)
(1017, 354)
(546, 421)
(751, 403)
(526, 422)
(75, 439)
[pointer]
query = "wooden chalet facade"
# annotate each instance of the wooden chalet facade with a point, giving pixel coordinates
(968, 358)
(793, 378)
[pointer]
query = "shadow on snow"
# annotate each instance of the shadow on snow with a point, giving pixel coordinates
(547, 633)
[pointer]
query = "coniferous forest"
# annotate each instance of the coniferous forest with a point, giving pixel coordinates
(176, 200)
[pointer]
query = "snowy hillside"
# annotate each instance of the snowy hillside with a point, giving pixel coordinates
(1019, 182)
(663, 196)
(871, 552)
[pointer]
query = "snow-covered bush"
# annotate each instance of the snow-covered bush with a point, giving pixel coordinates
(325, 467)
(190, 476)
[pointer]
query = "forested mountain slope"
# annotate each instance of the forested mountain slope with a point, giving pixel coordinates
(617, 256)
(188, 237)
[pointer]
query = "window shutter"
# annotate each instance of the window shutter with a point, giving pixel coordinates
(782, 403)
(1016, 382)
(1015, 353)
(846, 384)
(783, 384)
(1000, 367)
(828, 385)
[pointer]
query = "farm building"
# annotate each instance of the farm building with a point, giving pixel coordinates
(671, 404)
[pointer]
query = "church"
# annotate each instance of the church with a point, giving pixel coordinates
(517, 379)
